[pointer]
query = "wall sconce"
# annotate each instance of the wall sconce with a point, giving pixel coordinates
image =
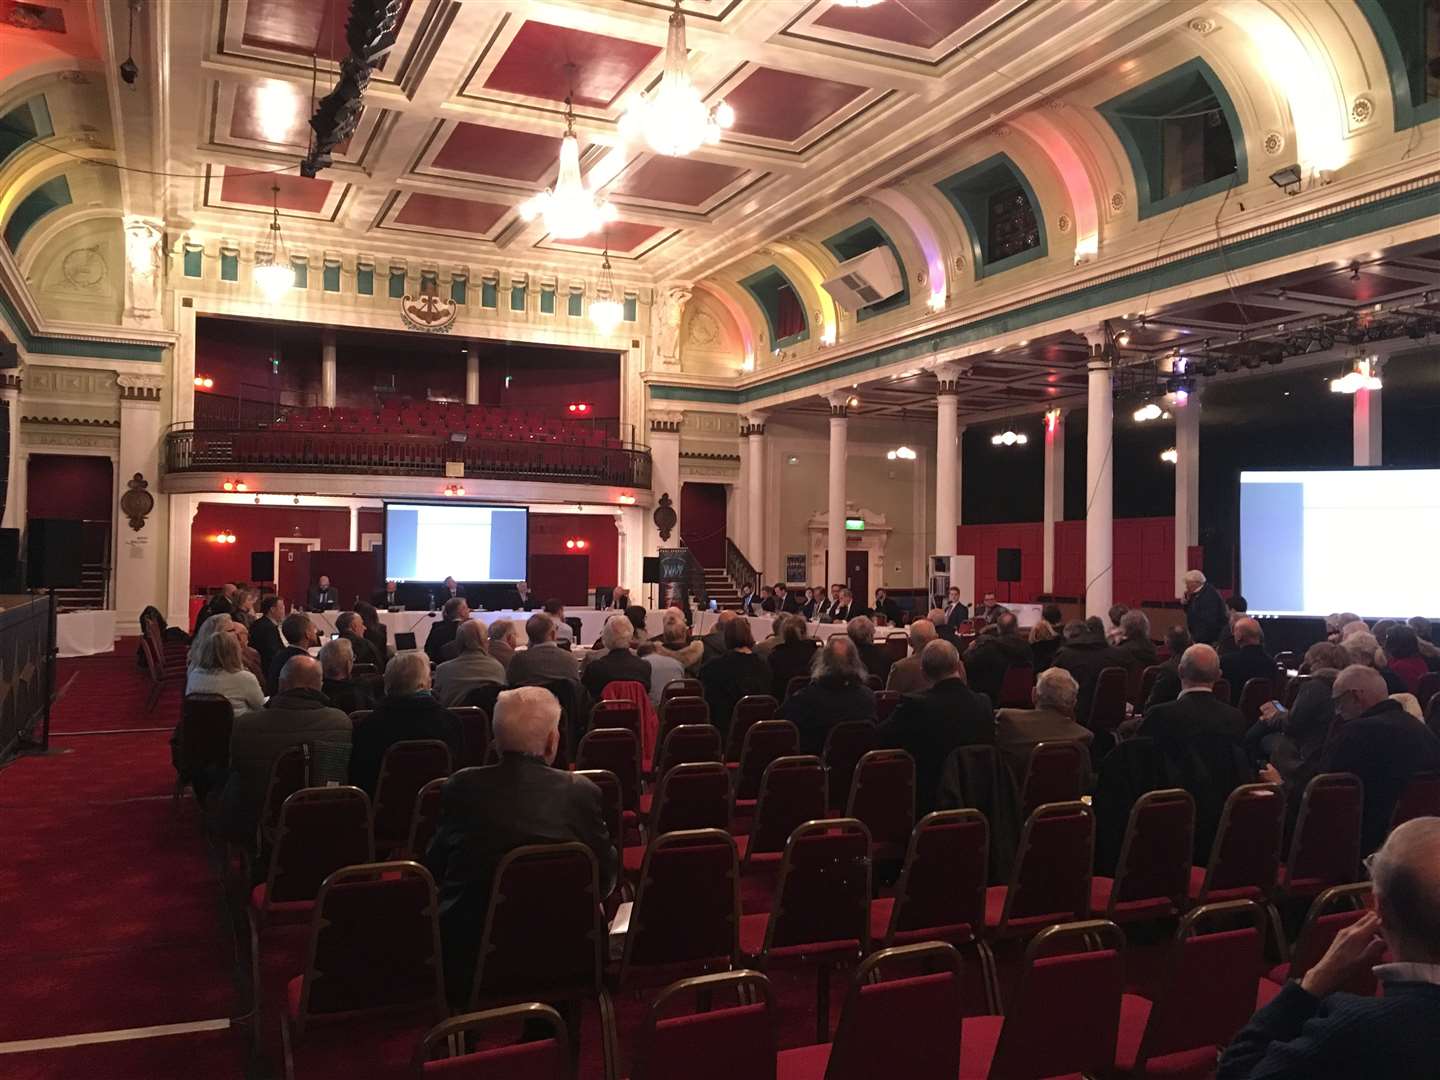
(576, 543)
(579, 408)
(453, 489)
(224, 536)
(235, 485)
(627, 500)
(205, 382)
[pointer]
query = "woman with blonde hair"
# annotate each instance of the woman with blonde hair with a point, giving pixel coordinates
(220, 669)
(1044, 644)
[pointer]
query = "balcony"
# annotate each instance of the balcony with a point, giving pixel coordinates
(389, 454)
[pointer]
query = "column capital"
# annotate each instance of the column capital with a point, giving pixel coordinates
(948, 375)
(666, 423)
(839, 403)
(753, 423)
(1097, 337)
(140, 387)
(10, 381)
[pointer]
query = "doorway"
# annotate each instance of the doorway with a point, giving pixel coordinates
(857, 575)
(702, 522)
(292, 568)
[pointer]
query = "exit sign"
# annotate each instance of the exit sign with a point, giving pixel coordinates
(854, 524)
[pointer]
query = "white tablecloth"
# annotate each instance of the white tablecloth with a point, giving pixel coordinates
(761, 625)
(85, 633)
(418, 622)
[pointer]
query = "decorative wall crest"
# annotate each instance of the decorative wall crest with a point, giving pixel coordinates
(664, 516)
(137, 503)
(428, 312)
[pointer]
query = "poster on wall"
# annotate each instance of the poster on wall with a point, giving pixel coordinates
(795, 569)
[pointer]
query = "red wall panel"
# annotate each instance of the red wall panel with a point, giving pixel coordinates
(78, 487)
(983, 541)
(255, 529)
(548, 533)
(702, 522)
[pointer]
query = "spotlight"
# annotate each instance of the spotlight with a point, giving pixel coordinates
(627, 500)
(1287, 179)
(579, 408)
(1169, 456)
(129, 70)
(1363, 376)
(205, 382)
(1148, 411)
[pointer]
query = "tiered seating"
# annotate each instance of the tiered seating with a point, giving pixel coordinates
(442, 419)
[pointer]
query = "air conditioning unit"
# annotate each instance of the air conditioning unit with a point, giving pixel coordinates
(866, 279)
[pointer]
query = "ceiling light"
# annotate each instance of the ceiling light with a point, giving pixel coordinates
(900, 453)
(852, 402)
(570, 209)
(606, 312)
(1148, 411)
(273, 271)
(1363, 376)
(1123, 338)
(1009, 438)
(627, 500)
(1169, 456)
(674, 120)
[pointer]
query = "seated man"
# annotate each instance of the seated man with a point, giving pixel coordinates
(1248, 660)
(408, 711)
(522, 599)
(1197, 711)
(555, 608)
(503, 642)
(543, 661)
(905, 675)
(474, 666)
(389, 597)
(1167, 683)
(323, 596)
(861, 630)
(1019, 731)
(297, 713)
(993, 655)
(302, 635)
(1313, 1031)
(617, 663)
(351, 628)
(442, 633)
(337, 659)
(486, 813)
(834, 694)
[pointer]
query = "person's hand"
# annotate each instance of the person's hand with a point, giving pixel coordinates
(1270, 713)
(1355, 949)
(1270, 775)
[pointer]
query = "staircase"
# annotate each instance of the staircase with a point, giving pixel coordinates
(720, 588)
(90, 593)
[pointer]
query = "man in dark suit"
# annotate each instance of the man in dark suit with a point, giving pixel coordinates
(389, 597)
(302, 635)
(842, 611)
(1205, 611)
(442, 633)
(486, 813)
(618, 664)
(265, 631)
(828, 605)
(449, 590)
(1197, 711)
(337, 661)
(521, 598)
(889, 608)
(930, 725)
(993, 655)
(1314, 1031)
(349, 627)
(323, 595)
(544, 661)
(1167, 683)
(955, 611)
(774, 601)
(408, 711)
(714, 641)
(1249, 660)
(222, 603)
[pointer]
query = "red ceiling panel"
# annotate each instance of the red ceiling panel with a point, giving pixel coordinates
(773, 104)
(921, 23)
(492, 151)
(1227, 313)
(534, 65)
(451, 215)
(623, 236)
(1364, 289)
(684, 181)
(271, 111)
(296, 192)
(302, 27)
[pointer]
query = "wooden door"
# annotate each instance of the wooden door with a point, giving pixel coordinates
(857, 575)
(292, 569)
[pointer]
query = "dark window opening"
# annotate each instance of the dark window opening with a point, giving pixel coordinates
(1010, 223)
(1196, 147)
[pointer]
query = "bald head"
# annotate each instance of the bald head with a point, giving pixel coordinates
(527, 721)
(1246, 632)
(939, 660)
(1199, 667)
(301, 673)
(471, 636)
(922, 632)
(1357, 688)
(1406, 874)
(728, 615)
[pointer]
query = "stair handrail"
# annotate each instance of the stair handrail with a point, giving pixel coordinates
(739, 570)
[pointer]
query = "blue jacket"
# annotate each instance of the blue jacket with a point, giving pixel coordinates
(1342, 1036)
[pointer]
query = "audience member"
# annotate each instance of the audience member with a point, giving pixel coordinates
(792, 656)
(504, 639)
(249, 658)
(1133, 641)
(555, 608)
(836, 692)
(664, 669)
(1324, 656)
(219, 670)
(1019, 731)
(1403, 659)
(1116, 633)
(676, 644)
(1380, 743)
(1249, 660)
(636, 614)
(875, 659)
(265, 630)
(375, 632)
(323, 596)
(1293, 739)
(1044, 644)
(442, 633)
(408, 711)
(301, 635)
(734, 675)
(473, 666)
(215, 624)
(297, 713)
(907, 676)
(337, 662)
(993, 655)
(1197, 711)
(930, 725)
(887, 607)
(244, 612)
(543, 660)
(1205, 612)
(1314, 1031)
(714, 641)
(1362, 648)
(618, 663)
(1423, 640)
(1167, 680)
(485, 813)
(777, 624)
(351, 628)
(1084, 655)
(1236, 607)
(1411, 704)
(220, 603)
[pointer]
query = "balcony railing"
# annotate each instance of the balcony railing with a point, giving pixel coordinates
(188, 450)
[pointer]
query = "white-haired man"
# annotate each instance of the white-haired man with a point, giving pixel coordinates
(1205, 611)
(473, 667)
(409, 711)
(618, 663)
(485, 813)
(1019, 731)
(1313, 1031)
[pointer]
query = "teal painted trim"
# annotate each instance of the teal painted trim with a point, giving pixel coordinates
(397, 284)
(517, 297)
(574, 305)
(49, 196)
(967, 202)
(547, 301)
(302, 273)
(632, 308)
(57, 346)
(229, 266)
(194, 262)
(1402, 89)
(330, 277)
(365, 281)
(24, 124)
(765, 279)
(1347, 224)
(839, 244)
(1141, 163)
(489, 294)
(460, 290)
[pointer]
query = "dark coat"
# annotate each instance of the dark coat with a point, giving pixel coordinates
(990, 657)
(1139, 653)
(1044, 652)
(364, 651)
(441, 634)
(485, 813)
(617, 665)
(931, 725)
(1297, 747)
(1384, 746)
(347, 695)
(1206, 615)
(821, 705)
(379, 639)
(1195, 713)
(1085, 659)
(1246, 663)
(1167, 684)
(277, 662)
(730, 678)
(321, 599)
(399, 719)
(265, 638)
(787, 660)
(877, 660)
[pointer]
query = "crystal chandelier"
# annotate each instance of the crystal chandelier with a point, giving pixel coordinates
(674, 120)
(605, 311)
(273, 271)
(569, 208)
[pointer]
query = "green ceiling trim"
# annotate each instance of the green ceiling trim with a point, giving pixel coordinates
(49, 345)
(1404, 57)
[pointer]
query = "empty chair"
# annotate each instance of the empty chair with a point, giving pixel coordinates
(1332, 911)
(1420, 798)
(845, 744)
(1253, 694)
(691, 795)
(749, 710)
(885, 702)
(899, 1018)
(1245, 857)
(686, 743)
(687, 687)
(882, 795)
(684, 709)
(764, 742)
(1207, 995)
(443, 1049)
(721, 1040)
(617, 751)
(1107, 707)
(1325, 849)
(1050, 882)
(615, 713)
(1152, 875)
(1055, 772)
(202, 747)
(424, 819)
(474, 735)
(1015, 687)
(612, 802)
(405, 769)
(792, 792)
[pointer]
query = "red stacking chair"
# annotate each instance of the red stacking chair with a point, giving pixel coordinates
(289, 772)
(687, 907)
(795, 685)
(443, 1052)
(686, 687)
(1148, 678)
(1253, 694)
(1421, 798)
(845, 744)
(1207, 996)
(616, 713)
(764, 742)
(1427, 688)
(372, 971)
(475, 735)
(1107, 708)
(1051, 879)
(1065, 1018)
(638, 695)
(616, 751)
(1332, 911)
(882, 795)
(692, 795)
(1015, 688)
(901, 1026)
(681, 710)
(885, 702)
(203, 749)
(686, 743)
(792, 792)
(896, 645)
(1055, 772)
(1245, 857)
(1152, 876)
(612, 802)
(1222, 692)
(1325, 849)
(719, 1042)
(424, 819)
(822, 909)
(749, 710)
(406, 768)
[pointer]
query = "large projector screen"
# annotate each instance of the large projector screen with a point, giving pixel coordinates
(1360, 540)
(433, 541)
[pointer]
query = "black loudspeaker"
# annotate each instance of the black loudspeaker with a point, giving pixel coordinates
(1007, 564)
(262, 566)
(650, 572)
(52, 553)
(10, 561)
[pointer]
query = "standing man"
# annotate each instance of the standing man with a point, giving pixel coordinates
(955, 611)
(265, 634)
(1205, 611)
(323, 596)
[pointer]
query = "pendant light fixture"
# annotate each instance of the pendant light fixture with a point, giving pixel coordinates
(605, 310)
(570, 209)
(273, 271)
(674, 120)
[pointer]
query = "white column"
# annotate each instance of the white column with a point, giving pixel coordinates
(1366, 427)
(327, 369)
(630, 527)
(139, 562)
(960, 430)
(664, 478)
(1099, 481)
(354, 528)
(737, 510)
(835, 538)
(947, 460)
(472, 377)
(1187, 483)
(755, 492)
(1054, 492)
(177, 580)
(14, 517)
